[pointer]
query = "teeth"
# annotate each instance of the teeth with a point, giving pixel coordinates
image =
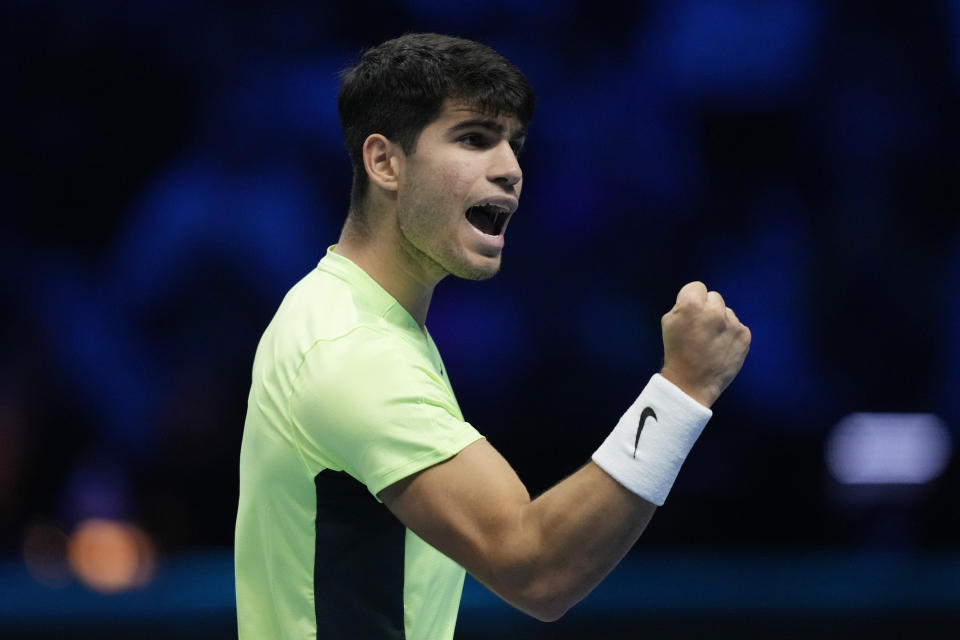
(497, 214)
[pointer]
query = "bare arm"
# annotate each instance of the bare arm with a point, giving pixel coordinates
(545, 555)
(542, 556)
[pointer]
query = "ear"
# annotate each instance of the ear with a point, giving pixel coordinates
(381, 159)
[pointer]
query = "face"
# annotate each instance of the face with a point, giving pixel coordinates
(463, 159)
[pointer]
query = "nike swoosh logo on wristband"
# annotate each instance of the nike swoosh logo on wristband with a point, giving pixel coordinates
(647, 412)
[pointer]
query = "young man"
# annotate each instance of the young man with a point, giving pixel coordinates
(363, 492)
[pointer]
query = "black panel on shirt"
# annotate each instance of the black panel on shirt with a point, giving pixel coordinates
(358, 566)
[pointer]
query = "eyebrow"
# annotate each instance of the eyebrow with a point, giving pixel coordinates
(490, 124)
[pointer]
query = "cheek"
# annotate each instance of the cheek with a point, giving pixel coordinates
(456, 186)
(459, 171)
(452, 187)
(436, 188)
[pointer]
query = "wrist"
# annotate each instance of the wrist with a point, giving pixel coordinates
(704, 394)
(645, 450)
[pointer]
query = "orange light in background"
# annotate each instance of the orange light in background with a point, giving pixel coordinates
(111, 556)
(45, 554)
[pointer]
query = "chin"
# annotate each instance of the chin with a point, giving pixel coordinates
(477, 272)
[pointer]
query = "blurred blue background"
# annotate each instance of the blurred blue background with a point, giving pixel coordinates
(170, 169)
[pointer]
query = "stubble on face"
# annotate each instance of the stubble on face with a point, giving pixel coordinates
(431, 209)
(429, 236)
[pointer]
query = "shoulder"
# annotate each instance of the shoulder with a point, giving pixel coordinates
(321, 314)
(319, 306)
(364, 356)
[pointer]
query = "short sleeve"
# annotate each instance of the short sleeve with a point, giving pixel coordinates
(369, 403)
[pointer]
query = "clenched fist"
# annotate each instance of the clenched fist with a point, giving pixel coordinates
(704, 344)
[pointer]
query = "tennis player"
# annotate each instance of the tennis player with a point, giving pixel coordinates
(364, 493)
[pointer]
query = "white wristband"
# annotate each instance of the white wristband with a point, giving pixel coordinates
(652, 439)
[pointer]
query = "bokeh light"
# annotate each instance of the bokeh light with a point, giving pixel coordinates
(888, 448)
(111, 556)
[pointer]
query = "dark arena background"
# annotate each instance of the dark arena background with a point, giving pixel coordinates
(170, 169)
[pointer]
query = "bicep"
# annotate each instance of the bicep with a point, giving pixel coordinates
(471, 508)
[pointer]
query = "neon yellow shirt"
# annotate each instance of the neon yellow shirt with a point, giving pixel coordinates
(348, 397)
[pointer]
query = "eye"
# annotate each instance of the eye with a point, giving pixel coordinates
(475, 140)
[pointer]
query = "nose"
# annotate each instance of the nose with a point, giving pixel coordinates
(504, 168)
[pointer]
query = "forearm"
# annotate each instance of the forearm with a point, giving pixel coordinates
(574, 534)
(570, 538)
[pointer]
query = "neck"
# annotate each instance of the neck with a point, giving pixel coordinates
(385, 258)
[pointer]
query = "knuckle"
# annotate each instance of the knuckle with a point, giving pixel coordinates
(716, 313)
(685, 308)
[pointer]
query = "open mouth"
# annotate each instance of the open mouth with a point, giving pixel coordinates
(488, 218)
